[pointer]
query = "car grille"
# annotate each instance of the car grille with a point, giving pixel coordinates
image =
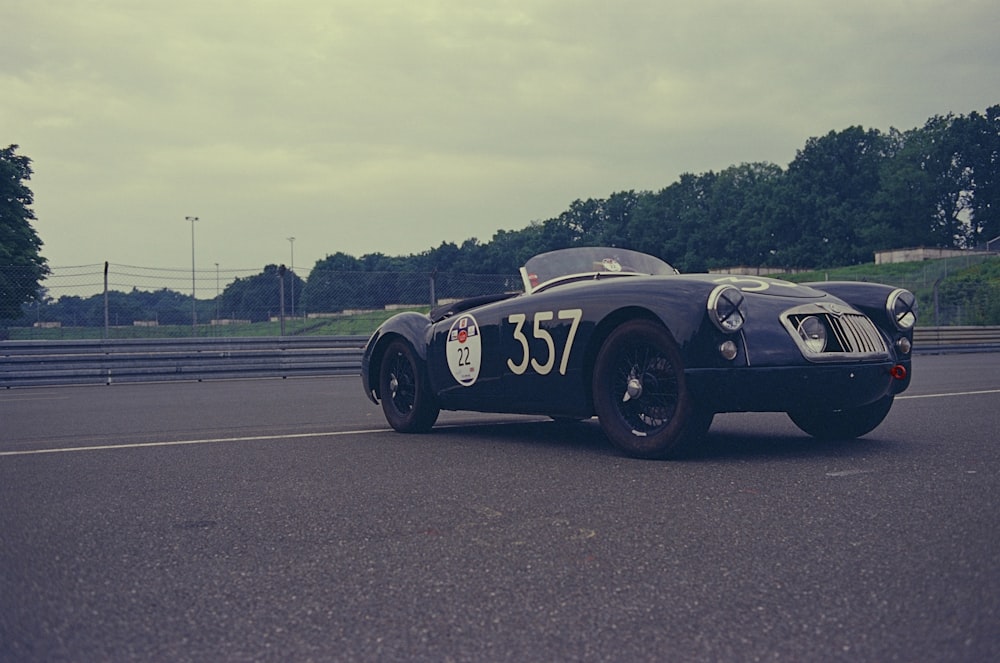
(856, 333)
(849, 334)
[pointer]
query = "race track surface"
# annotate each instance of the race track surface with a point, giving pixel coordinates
(280, 520)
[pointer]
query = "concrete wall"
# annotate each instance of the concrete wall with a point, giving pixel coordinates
(916, 254)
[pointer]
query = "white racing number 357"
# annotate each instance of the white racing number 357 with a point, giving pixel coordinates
(574, 315)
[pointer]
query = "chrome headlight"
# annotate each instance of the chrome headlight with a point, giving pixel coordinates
(901, 306)
(813, 333)
(727, 308)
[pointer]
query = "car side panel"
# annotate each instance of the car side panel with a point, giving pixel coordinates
(536, 348)
(444, 361)
(414, 327)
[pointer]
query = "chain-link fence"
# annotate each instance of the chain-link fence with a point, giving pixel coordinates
(962, 290)
(122, 301)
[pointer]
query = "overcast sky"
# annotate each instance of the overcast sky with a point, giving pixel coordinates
(388, 126)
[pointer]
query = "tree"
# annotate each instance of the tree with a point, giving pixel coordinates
(744, 206)
(593, 222)
(22, 266)
(256, 298)
(509, 249)
(334, 283)
(674, 223)
(834, 181)
(980, 138)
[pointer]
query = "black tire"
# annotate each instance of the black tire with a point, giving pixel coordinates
(407, 401)
(842, 424)
(701, 421)
(640, 394)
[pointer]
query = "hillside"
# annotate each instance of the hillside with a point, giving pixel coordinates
(950, 291)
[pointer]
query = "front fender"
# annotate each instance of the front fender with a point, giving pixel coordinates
(869, 298)
(414, 327)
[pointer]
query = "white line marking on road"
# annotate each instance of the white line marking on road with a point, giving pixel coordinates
(254, 438)
(177, 443)
(24, 399)
(956, 393)
(295, 436)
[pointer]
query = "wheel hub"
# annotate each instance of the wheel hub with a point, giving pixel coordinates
(633, 389)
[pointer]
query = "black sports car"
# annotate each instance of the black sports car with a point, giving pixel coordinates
(654, 354)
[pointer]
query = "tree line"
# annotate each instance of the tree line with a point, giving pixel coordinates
(843, 197)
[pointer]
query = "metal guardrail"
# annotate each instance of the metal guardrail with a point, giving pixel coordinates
(929, 339)
(38, 363)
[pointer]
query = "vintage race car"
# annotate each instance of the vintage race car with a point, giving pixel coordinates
(654, 354)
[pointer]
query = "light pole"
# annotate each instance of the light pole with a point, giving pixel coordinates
(194, 308)
(217, 292)
(291, 243)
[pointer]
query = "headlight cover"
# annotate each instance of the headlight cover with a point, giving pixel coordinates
(813, 333)
(727, 308)
(901, 306)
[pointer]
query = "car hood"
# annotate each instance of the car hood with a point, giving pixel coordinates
(760, 285)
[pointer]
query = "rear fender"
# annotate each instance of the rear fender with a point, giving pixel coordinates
(413, 327)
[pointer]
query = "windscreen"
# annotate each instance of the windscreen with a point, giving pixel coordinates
(555, 265)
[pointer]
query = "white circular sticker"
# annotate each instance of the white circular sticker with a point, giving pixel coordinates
(465, 350)
(611, 265)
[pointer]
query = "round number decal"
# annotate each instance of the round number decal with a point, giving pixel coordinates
(611, 265)
(465, 350)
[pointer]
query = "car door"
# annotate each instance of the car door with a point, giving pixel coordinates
(464, 360)
(541, 342)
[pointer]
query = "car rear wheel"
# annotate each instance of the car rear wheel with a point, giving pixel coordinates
(407, 401)
(842, 424)
(640, 395)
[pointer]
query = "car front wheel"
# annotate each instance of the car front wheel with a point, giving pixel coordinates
(842, 424)
(640, 394)
(407, 401)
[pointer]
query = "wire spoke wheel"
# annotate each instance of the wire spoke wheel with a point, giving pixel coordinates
(402, 383)
(649, 387)
(407, 401)
(640, 395)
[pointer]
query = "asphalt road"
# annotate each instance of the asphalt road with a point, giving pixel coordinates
(281, 520)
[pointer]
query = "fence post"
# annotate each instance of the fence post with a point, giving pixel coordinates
(937, 321)
(106, 324)
(281, 297)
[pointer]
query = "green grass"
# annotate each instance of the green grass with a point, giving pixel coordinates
(924, 272)
(346, 325)
(951, 291)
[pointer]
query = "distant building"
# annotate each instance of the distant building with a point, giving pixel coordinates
(916, 255)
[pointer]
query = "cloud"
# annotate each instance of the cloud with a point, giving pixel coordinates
(390, 127)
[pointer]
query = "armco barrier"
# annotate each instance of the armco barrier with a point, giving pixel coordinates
(36, 363)
(953, 339)
(30, 363)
